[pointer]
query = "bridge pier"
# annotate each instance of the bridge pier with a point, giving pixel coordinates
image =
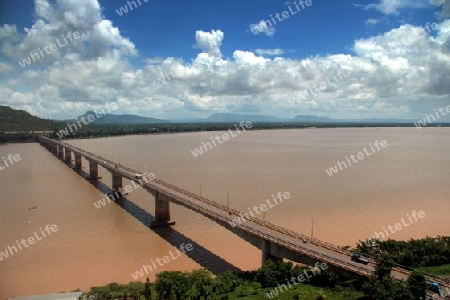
(93, 171)
(78, 165)
(117, 182)
(162, 212)
(67, 155)
(266, 253)
(55, 149)
(60, 151)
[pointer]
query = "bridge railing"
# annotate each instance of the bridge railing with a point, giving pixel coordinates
(252, 219)
(265, 236)
(264, 223)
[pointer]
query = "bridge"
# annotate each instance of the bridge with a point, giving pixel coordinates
(274, 241)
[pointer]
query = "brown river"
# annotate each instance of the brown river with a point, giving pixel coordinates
(92, 246)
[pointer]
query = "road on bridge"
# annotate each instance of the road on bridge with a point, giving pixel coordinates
(314, 248)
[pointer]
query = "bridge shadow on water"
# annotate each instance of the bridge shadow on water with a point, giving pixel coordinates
(199, 254)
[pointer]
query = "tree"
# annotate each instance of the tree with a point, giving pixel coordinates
(384, 266)
(382, 286)
(201, 283)
(227, 282)
(417, 286)
(271, 273)
(172, 285)
(147, 290)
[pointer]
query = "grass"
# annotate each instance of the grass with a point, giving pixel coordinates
(301, 291)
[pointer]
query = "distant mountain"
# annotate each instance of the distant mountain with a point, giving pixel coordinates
(120, 119)
(12, 120)
(376, 120)
(315, 119)
(226, 117)
(230, 118)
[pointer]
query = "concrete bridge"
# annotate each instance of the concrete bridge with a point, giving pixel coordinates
(275, 242)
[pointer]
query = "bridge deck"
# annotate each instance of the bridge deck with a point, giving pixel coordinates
(314, 248)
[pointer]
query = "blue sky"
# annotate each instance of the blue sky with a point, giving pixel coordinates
(395, 64)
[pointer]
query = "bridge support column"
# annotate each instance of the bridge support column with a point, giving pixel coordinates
(78, 161)
(93, 171)
(67, 155)
(162, 212)
(60, 151)
(117, 182)
(266, 252)
(55, 149)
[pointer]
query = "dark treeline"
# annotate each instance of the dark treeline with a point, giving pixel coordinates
(201, 284)
(426, 252)
(96, 130)
(114, 130)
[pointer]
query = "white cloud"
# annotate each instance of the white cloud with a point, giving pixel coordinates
(372, 22)
(400, 73)
(445, 13)
(392, 7)
(209, 41)
(276, 51)
(262, 27)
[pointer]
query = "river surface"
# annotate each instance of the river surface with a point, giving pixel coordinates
(97, 246)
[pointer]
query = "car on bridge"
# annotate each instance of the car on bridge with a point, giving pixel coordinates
(360, 259)
(138, 176)
(436, 288)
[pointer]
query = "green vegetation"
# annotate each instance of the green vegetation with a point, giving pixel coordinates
(443, 270)
(95, 131)
(426, 252)
(201, 284)
(381, 286)
(20, 126)
(12, 120)
(260, 284)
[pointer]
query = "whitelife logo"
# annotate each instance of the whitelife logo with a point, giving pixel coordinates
(278, 290)
(225, 136)
(263, 207)
(49, 49)
(117, 194)
(124, 9)
(264, 25)
(48, 228)
(360, 155)
(165, 260)
(11, 158)
(90, 118)
(397, 226)
(431, 118)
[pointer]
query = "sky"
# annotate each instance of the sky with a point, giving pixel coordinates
(183, 59)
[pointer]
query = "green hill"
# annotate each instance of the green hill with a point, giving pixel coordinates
(12, 120)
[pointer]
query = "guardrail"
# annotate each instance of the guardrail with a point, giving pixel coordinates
(263, 235)
(263, 223)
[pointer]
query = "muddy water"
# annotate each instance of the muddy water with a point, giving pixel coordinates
(97, 246)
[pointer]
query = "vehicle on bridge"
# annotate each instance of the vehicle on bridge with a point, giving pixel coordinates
(360, 259)
(435, 287)
(138, 176)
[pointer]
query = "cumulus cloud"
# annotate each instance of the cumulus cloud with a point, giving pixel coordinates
(276, 51)
(445, 4)
(400, 73)
(392, 7)
(262, 27)
(209, 41)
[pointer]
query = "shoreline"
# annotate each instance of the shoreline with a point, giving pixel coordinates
(34, 135)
